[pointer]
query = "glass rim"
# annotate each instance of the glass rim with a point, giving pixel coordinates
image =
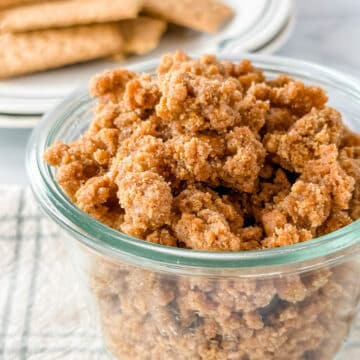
(115, 244)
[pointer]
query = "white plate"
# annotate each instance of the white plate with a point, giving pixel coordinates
(273, 20)
(255, 23)
(279, 40)
(18, 122)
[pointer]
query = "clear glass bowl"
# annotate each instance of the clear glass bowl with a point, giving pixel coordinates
(157, 302)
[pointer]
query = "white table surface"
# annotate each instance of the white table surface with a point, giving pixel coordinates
(326, 32)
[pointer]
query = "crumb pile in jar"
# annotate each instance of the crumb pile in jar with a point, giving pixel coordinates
(211, 155)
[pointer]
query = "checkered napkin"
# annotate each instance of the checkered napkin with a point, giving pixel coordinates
(42, 315)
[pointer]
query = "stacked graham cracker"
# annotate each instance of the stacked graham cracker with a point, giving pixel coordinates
(37, 35)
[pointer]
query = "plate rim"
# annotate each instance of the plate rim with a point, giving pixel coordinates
(263, 34)
(18, 122)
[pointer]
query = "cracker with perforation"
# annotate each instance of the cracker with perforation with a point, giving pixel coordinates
(55, 14)
(203, 15)
(42, 50)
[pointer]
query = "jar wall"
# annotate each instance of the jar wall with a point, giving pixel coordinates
(151, 314)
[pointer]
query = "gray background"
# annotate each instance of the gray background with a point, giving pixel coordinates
(326, 31)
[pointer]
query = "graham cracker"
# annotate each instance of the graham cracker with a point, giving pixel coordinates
(203, 15)
(55, 14)
(41, 50)
(142, 34)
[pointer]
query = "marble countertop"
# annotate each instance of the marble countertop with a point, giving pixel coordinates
(326, 32)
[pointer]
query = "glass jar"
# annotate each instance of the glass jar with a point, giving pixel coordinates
(157, 302)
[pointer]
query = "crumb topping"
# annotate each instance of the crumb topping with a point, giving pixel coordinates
(211, 155)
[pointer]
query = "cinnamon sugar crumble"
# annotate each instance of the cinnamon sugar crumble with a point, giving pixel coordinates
(206, 132)
(211, 155)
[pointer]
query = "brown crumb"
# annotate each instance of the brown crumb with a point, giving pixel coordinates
(202, 130)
